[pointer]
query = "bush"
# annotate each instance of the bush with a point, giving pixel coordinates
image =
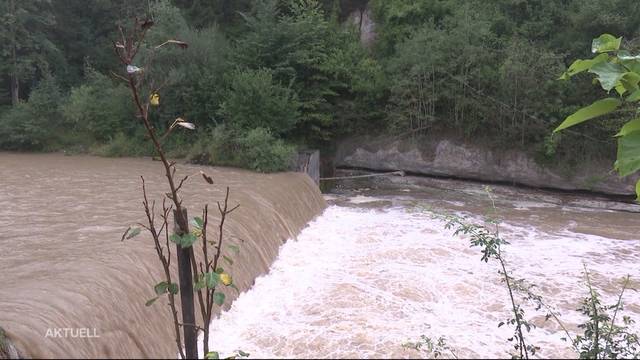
(34, 125)
(122, 145)
(256, 150)
(215, 148)
(255, 100)
(260, 151)
(99, 108)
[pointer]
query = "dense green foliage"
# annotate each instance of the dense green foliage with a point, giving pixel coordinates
(295, 72)
(617, 69)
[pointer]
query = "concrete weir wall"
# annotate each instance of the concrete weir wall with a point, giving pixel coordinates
(71, 288)
(454, 158)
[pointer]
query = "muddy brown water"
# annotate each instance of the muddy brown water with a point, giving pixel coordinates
(71, 288)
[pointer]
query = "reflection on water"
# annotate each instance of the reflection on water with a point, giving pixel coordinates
(375, 271)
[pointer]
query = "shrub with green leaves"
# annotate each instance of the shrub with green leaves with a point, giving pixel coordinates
(36, 124)
(255, 149)
(256, 100)
(618, 70)
(99, 108)
(260, 151)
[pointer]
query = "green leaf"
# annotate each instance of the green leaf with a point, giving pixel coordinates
(631, 62)
(631, 126)
(608, 74)
(133, 233)
(605, 43)
(635, 96)
(161, 288)
(175, 238)
(218, 298)
(188, 240)
(211, 279)
(598, 108)
(234, 248)
(173, 288)
(212, 355)
(198, 222)
(631, 65)
(638, 191)
(628, 160)
(580, 65)
(184, 241)
(630, 81)
(200, 284)
(219, 270)
(625, 55)
(227, 259)
(151, 301)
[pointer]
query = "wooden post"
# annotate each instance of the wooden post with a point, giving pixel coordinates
(309, 162)
(186, 289)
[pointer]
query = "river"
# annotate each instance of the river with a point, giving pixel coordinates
(63, 264)
(371, 272)
(376, 271)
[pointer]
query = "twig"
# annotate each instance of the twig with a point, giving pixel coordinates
(618, 306)
(165, 263)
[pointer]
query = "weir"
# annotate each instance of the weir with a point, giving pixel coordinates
(66, 274)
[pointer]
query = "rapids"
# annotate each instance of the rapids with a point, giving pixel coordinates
(376, 270)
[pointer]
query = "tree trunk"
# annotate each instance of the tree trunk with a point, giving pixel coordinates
(186, 289)
(15, 89)
(15, 83)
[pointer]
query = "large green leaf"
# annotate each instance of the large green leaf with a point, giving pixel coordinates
(598, 108)
(628, 160)
(631, 62)
(631, 126)
(635, 96)
(580, 65)
(605, 43)
(638, 191)
(630, 81)
(608, 74)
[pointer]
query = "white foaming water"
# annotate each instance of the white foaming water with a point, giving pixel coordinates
(359, 283)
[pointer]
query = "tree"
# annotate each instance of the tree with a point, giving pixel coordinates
(618, 70)
(255, 100)
(34, 125)
(23, 28)
(301, 47)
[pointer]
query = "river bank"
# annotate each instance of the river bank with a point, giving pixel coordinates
(464, 159)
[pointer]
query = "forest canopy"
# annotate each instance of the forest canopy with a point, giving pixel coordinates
(264, 77)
